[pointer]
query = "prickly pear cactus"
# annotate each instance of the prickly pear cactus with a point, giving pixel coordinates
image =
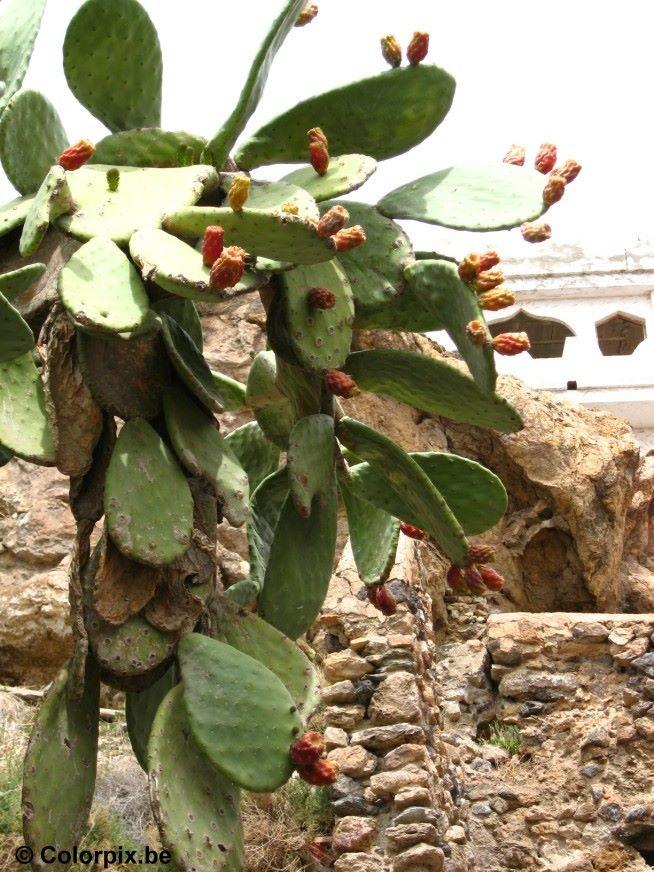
(155, 221)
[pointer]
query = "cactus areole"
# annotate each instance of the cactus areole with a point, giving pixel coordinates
(108, 247)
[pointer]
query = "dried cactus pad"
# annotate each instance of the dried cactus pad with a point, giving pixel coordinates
(494, 196)
(346, 173)
(147, 500)
(16, 337)
(149, 147)
(240, 713)
(144, 195)
(24, 427)
(31, 140)
(112, 61)
(19, 24)
(382, 116)
(197, 809)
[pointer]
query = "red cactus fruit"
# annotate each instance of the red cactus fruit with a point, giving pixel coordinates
(554, 189)
(488, 260)
(307, 15)
(491, 577)
(474, 580)
(340, 384)
(454, 577)
(213, 243)
(515, 155)
(498, 298)
(321, 298)
(569, 170)
(228, 270)
(489, 279)
(382, 599)
(349, 238)
(510, 344)
(319, 157)
(319, 773)
(332, 221)
(468, 268)
(478, 333)
(480, 551)
(307, 749)
(317, 134)
(413, 532)
(75, 156)
(535, 231)
(391, 50)
(545, 158)
(417, 48)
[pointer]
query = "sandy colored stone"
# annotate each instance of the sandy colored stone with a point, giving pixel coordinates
(346, 717)
(387, 784)
(354, 761)
(404, 754)
(359, 862)
(335, 738)
(405, 835)
(420, 857)
(396, 700)
(354, 834)
(344, 665)
(341, 692)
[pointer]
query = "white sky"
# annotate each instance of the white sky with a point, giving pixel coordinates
(574, 73)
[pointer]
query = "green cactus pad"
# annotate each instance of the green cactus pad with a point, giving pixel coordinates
(24, 426)
(265, 508)
(186, 315)
(374, 534)
(303, 389)
(346, 173)
(475, 495)
(51, 200)
(19, 24)
(140, 711)
(147, 499)
(437, 283)
(143, 197)
(255, 637)
(231, 390)
(16, 337)
(320, 338)
(196, 808)
(13, 214)
(287, 12)
(376, 270)
(310, 460)
(203, 451)
(190, 365)
(270, 405)
(240, 713)
(273, 234)
(12, 284)
(126, 377)
(149, 147)
(292, 596)
(31, 140)
(382, 116)
(61, 754)
(256, 454)
(112, 62)
(409, 481)
(101, 290)
(432, 385)
(494, 196)
(273, 196)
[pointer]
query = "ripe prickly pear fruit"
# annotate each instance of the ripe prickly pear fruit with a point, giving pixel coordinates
(510, 344)
(113, 179)
(491, 577)
(488, 279)
(488, 260)
(536, 231)
(413, 532)
(468, 268)
(228, 270)
(515, 155)
(307, 749)
(454, 577)
(382, 599)
(75, 156)
(478, 333)
(554, 189)
(481, 552)
(391, 50)
(498, 298)
(473, 579)
(321, 298)
(213, 243)
(239, 192)
(320, 773)
(349, 238)
(545, 158)
(340, 384)
(307, 15)
(332, 221)
(569, 170)
(318, 150)
(417, 48)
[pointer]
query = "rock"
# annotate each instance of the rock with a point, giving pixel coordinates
(353, 805)
(345, 717)
(396, 700)
(481, 809)
(335, 738)
(344, 665)
(645, 728)
(545, 687)
(341, 692)
(592, 632)
(387, 784)
(597, 737)
(403, 755)
(645, 664)
(384, 738)
(410, 797)
(420, 857)
(353, 834)
(406, 835)
(354, 761)
(360, 863)
(419, 815)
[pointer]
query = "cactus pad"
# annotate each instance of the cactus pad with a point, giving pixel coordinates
(101, 290)
(485, 197)
(144, 195)
(292, 597)
(231, 391)
(274, 196)
(19, 24)
(24, 427)
(16, 337)
(140, 710)
(255, 637)
(112, 61)
(51, 200)
(437, 284)
(475, 495)
(374, 534)
(12, 284)
(240, 713)
(186, 315)
(346, 173)
(432, 385)
(265, 508)
(191, 366)
(320, 338)
(270, 405)
(196, 808)
(203, 451)
(310, 460)
(382, 116)
(62, 753)
(31, 140)
(147, 499)
(409, 481)
(149, 147)
(13, 214)
(121, 587)
(257, 455)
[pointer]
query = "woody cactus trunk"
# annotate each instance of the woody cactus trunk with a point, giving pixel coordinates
(106, 251)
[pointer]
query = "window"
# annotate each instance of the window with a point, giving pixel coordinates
(546, 335)
(620, 334)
